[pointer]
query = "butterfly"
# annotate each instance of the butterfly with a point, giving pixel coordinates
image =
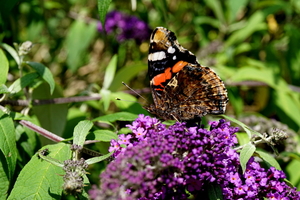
(181, 88)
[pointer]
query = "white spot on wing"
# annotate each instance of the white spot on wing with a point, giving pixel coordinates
(160, 55)
(174, 57)
(171, 50)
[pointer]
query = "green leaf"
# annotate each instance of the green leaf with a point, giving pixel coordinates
(118, 116)
(80, 132)
(215, 192)
(75, 115)
(242, 138)
(216, 6)
(8, 143)
(4, 186)
(4, 89)
(200, 20)
(235, 7)
(289, 106)
(293, 172)
(52, 117)
(105, 135)
(28, 141)
(45, 73)
(124, 131)
(236, 100)
(268, 158)
(248, 130)
(128, 103)
(22, 82)
(79, 37)
(40, 179)
(102, 9)
(246, 154)
(125, 74)
(110, 72)
(12, 52)
(105, 98)
(3, 67)
(98, 159)
(255, 22)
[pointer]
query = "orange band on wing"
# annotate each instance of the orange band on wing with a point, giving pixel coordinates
(178, 66)
(159, 79)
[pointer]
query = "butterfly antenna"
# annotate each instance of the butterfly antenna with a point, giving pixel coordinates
(126, 100)
(134, 91)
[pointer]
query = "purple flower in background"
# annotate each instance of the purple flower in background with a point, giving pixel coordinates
(175, 162)
(125, 27)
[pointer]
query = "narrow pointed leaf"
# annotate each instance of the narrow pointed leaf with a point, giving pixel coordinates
(3, 67)
(246, 154)
(102, 9)
(110, 72)
(12, 52)
(98, 159)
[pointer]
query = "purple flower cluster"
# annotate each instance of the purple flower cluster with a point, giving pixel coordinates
(125, 27)
(156, 162)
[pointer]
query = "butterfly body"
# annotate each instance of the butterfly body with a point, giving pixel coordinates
(181, 88)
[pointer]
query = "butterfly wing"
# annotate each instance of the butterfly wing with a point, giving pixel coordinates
(181, 88)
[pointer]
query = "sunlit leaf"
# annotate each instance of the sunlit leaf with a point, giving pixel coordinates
(80, 132)
(98, 159)
(110, 72)
(118, 116)
(3, 67)
(105, 135)
(40, 178)
(22, 82)
(45, 73)
(246, 154)
(269, 159)
(12, 52)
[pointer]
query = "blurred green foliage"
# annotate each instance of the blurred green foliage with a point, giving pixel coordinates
(253, 46)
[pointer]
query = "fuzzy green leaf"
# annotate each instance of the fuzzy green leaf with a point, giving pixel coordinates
(40, 179)
(8, 142)
(102, 9)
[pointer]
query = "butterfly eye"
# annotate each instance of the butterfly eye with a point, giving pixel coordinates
(172, 36)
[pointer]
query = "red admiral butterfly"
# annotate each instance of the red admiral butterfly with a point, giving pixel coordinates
(181, 88)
